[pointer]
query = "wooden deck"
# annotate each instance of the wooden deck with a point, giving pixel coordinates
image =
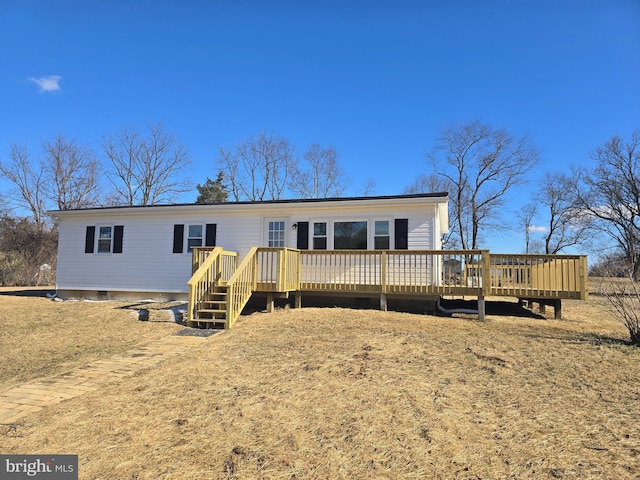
(546, 279)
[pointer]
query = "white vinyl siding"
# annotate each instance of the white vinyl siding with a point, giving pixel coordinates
(147, 263)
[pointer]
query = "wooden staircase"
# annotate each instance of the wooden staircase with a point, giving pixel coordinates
(212, 311)
(219, 288)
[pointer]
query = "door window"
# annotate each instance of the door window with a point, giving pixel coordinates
(276, 233)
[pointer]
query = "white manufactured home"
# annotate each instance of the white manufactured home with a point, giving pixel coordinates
(147, 252)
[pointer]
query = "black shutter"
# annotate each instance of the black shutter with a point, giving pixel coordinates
(117, 238)
(303, 236)
(89, 239)
(178, 238)
(210, 235)
(402, 234)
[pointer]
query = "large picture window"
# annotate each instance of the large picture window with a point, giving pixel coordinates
(350, 235)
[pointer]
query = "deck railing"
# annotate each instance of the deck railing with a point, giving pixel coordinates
(399, 272)
(539, 276)
(278, 269)
(340, 270)
(422, 272)
(215, 266)
(390, 271)
(241, 285)
(433, 272)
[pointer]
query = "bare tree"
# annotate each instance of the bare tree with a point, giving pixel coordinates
(483, 164)
(437, 184)
(27, 251)
(566, 225)
(623, 294)
(258, 168)
(71, 173)
(320, 176)
(28, 183)
(428, 184)
(369, 187)
(526, 216)
(145, 169)
(610, 194)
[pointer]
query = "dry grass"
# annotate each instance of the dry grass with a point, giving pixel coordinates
(40, 338)
(336, 393)
(602, 285)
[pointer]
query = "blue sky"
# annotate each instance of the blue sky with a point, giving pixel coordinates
(377, 80)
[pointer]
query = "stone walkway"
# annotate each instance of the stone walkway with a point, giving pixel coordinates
(34, 396)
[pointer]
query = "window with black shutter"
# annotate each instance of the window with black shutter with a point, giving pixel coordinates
(109, 239)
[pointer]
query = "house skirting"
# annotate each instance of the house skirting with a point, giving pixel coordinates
(121, 295)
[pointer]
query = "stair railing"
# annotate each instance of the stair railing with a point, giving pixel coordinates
(241, 285)
(216, 269)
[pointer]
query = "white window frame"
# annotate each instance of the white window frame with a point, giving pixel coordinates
(325, 236)
(367, 224)
(371, 225)
(189, 248)
(387, 235)
(99, 239)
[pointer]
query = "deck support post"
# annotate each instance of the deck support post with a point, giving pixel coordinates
(298, 301)
(481, 309)
(270, 303)
(557, 309)
(383, 302)
(486, 283)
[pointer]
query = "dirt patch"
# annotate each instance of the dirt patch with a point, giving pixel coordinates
(493, 306)
(196, 332)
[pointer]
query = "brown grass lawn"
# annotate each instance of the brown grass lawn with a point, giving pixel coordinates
(40, 338)
(347, 394)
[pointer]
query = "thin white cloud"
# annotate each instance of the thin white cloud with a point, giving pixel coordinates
(537, 228)
(47, 84)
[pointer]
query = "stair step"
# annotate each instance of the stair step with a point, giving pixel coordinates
(218, 294)
(208, 323)
(211, 310)
(220, 298)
